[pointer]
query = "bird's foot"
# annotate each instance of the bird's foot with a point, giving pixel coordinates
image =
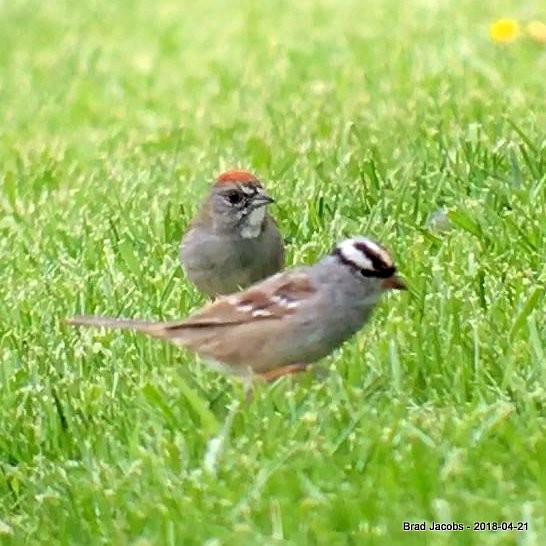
(277, 373)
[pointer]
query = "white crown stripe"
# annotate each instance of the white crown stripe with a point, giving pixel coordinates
(355, 256)
(363, 253)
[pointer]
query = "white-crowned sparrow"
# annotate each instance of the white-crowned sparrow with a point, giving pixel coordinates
(232, 242)
(287, 321)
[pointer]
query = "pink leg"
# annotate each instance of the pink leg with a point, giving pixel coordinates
(275, 374)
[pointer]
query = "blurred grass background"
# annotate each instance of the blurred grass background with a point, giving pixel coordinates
(392, 119)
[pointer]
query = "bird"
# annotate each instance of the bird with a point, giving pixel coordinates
(284, 323)
(232, 242)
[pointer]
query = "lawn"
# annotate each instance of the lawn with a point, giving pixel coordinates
(399, 120)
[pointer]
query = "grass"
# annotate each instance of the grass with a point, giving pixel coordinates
(385, 118)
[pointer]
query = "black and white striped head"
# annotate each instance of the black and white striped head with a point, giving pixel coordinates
(369, 260)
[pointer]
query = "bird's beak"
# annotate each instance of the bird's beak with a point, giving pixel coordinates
(261, 199)
(394, 283)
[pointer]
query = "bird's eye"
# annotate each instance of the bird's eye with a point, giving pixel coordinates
(234, 197)
(382, 273)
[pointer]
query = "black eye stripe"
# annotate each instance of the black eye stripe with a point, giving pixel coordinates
(381, 269)
(380, 273)
(377, 260)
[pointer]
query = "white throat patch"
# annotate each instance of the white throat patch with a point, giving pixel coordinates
(253, 224)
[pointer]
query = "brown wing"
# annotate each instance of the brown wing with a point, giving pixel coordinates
(268, 300)
(237, 330)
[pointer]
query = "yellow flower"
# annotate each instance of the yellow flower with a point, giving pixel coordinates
(504, 30)
(537, 31)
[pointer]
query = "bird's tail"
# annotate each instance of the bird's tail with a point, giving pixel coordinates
(144, 326)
